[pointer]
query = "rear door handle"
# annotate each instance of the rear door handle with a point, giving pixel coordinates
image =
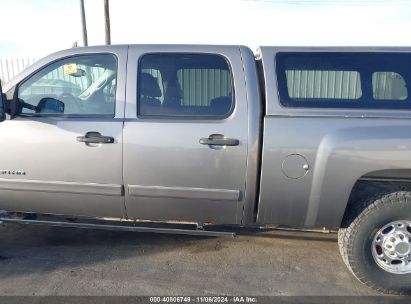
(95, 138)
(219, 140)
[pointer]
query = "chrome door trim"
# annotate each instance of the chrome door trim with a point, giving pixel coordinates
(184, 193)
(60, 187)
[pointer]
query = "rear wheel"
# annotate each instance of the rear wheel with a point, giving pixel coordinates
(375, 242)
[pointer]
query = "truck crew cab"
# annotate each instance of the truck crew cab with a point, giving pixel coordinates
(204, 139)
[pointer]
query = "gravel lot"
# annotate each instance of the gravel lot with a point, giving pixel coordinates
(60, 261)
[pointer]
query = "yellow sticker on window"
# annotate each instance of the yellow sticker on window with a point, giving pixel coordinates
(70, 69)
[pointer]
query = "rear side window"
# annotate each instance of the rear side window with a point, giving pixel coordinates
(184, 85)
(322, 84)
(389, 86)
(344, 80)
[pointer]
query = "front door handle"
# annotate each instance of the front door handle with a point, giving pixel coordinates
(95, 138)
(219, 140)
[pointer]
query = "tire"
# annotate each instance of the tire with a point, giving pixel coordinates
(358, 236)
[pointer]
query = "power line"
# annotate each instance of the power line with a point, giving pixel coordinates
(336, 2)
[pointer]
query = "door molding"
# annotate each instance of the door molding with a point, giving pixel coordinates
(184, 193)
(60, 187)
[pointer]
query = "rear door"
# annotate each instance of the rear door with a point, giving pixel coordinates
(185, 134)
(66, 159)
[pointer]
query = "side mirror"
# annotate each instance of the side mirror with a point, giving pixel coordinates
(3, 106)
(49, 105)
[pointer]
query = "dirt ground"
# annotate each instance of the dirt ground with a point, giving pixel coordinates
(38, 260)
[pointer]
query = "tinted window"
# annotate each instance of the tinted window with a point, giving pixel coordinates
(85, 85)
(389, 86)
(184, 85)
(344, 80)
(310, 84)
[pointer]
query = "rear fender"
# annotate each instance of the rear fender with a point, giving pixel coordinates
(346, 155)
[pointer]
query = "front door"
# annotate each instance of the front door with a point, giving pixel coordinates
(185, 134)
(62, 153)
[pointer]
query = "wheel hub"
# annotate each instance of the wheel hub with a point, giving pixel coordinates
(402, 249)
(396, 244)
(391, 247)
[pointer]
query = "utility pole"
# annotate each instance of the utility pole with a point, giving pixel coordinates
(83, 23)
(107, 21)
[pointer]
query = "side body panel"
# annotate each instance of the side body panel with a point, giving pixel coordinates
(313, 157)
(60, 175)
(338, 151)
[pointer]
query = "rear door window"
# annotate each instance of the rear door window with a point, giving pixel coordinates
(185, 85)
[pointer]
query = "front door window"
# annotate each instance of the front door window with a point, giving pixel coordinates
(82, 85)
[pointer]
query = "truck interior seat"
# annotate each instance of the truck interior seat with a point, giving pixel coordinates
(149, 89)
(173, 95)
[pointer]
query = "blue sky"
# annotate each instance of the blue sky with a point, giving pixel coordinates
(35, 28)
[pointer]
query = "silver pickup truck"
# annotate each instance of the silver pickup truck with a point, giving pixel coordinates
(210, 140)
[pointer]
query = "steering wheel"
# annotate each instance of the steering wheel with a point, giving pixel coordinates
(72, 104)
